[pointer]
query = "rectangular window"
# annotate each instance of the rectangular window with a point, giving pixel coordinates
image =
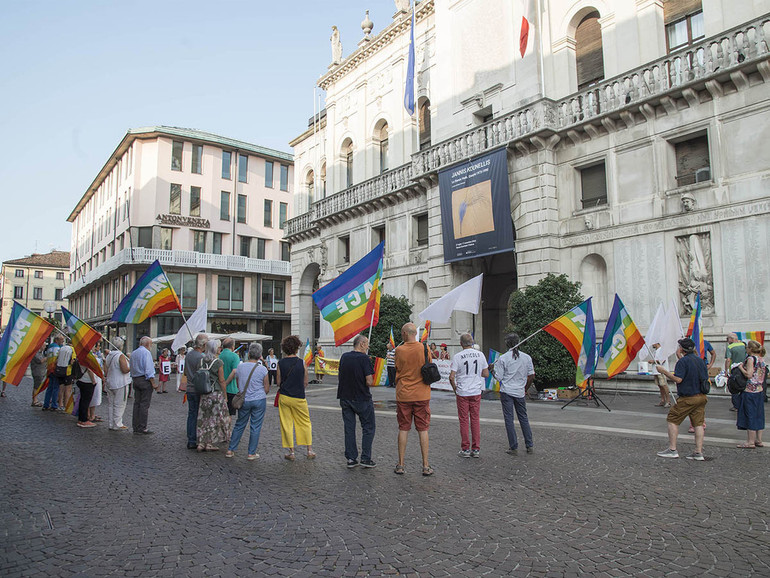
(227, 160)
(230, 293)
(378, 235)
(19, 273)
(268, 213)
(421, 226)
(175, 199)
(186, 287)
(285, 251)
(261, 248)
(693, 164)
(18, 292)
(269, 174)
(199, 241)
(245, 246)
(176, 155)
(243, 168)
(593, 186)
(273, 296)
(197, 159)
(344, 249)
(166, 234)
(59, 295)
(241, 214)
(144, 237)
(38, 274)
(217, 248)
(195, 201)
(59, 276)
(224, 205)
(283, 213)
(383, 155)
(684, 22)
(115, 293)
(37, 293)
(284, 177)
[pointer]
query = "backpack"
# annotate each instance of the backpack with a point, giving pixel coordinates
(737, 382)
(430, 373)
(202, 380)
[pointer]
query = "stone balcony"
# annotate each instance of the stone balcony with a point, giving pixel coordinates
(729, 62)
(179, 259)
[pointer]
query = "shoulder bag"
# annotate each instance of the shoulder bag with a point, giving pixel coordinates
(430, 372)
(240, 397)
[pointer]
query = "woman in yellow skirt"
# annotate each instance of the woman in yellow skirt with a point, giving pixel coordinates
(292, 405)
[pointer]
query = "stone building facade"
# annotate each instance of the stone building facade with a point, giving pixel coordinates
(635, 164)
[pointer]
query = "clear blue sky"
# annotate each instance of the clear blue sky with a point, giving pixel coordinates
(77, 74)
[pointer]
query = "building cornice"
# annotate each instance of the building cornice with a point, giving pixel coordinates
(383, 39)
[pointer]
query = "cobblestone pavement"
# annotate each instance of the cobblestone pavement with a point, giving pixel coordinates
(95, 502)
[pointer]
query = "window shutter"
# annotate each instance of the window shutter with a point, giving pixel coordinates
(677, 9)
(588, 50)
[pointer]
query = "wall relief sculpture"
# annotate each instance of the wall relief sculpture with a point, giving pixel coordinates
(693, 257)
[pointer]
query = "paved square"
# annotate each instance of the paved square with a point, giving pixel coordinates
(593, 498)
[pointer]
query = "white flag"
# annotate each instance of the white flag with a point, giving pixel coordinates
(195, 324)
(669, 333)
(466, 297)
(652, 333)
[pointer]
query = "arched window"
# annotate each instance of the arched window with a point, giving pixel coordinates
(593, 276)
(381, 141)
(347, 157)
(588, 51)
(424, 123)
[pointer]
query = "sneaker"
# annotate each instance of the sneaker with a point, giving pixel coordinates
(668, 453)
(733, 409)
(464, 453)
(352, 463)
(368, 464)
(512, 451)
(475, 453)
(697, 456)
(530, 450)
(668, 405)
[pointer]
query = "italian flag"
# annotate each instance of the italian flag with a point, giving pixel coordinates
(526, 18)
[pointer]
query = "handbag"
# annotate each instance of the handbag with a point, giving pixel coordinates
(430, 372)
(240, 397)
(737, 382)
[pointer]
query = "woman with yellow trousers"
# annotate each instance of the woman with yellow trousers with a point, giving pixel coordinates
(292, 405)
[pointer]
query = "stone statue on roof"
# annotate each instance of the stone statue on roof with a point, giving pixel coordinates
(403, 5)
(336, 46)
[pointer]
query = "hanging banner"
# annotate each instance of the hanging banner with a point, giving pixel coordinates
(476, 208)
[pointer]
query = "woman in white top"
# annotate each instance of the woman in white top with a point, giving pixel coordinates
(180, 355)
(251, 376)
(272, 366)
(86, 384)
(117, 378)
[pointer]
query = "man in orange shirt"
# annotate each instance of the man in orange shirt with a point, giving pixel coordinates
(412, 396)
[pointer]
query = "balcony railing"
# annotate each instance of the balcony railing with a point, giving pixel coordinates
(712, 59)
(179, 259)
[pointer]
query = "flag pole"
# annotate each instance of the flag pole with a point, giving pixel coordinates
(371, 321)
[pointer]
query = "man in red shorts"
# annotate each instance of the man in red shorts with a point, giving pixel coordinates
(412, 396)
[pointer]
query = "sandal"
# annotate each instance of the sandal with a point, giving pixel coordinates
(311, 455)
(746, 446)
(229, 454)
(759, 445)
(427, 471)
(290, 456)
(399, 470)
(37, 404)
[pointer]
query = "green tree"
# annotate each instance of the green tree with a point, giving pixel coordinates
(394, 311)
(535, 307)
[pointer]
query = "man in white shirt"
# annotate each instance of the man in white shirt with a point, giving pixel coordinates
(515, 372)
(468, 370)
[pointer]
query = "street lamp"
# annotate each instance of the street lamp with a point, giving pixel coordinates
(50, 307)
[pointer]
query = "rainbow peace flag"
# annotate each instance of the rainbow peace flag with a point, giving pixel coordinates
(24, 335)
(352, 301)
(575, 330)
(390, 339)
(152, 294)
(425, 333)
(491, 383)
(622, 339)
(50, 366)
(308, 356)
(695, 329)
(83, 337)
(379, 370)
(758, 336)
(71, 405)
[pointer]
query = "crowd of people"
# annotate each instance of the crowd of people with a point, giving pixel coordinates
(224, 395)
